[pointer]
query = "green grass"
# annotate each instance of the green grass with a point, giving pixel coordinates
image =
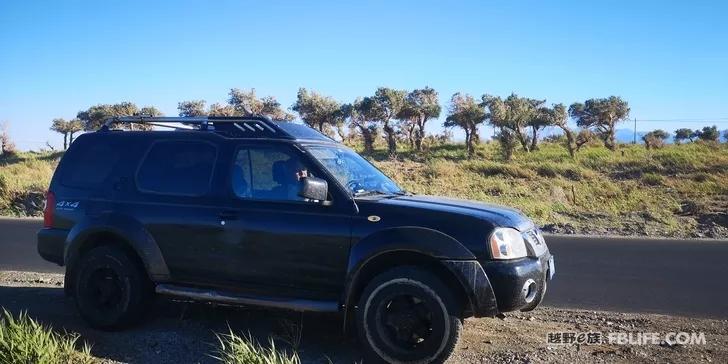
(243, 349)
(25, 341)
(597, 187)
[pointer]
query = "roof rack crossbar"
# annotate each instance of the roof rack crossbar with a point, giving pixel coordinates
(254, 123)
(169, 126)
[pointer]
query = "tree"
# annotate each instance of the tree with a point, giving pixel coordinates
(601, 114)
(320, 112)
(558, 116)
(408, 129)
(683, 134)
(584, 137)
(725, 135)
(420, 106)
(7, 147)
(464, 112)
(60, 125)
(507, 140)
(218, 109)
(515, 114)
(74, 126)
(655, 139)
(541, 117)
(246, 103)
(708, 134)
(67, 128)
(94, 117)
(384, 107)
(192, 108)
(145, 111)
(362, 118)
(149, 111)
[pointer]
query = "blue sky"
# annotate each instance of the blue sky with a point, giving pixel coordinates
(668, 59)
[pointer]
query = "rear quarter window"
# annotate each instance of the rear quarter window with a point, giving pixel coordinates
(90, 162)
(177, 168)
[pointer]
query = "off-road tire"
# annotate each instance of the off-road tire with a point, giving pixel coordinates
(446, 316)
(130, 287)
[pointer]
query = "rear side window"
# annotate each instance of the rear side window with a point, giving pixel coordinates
(90, 162)
(177, 168)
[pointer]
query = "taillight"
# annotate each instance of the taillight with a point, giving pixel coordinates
(49, 209)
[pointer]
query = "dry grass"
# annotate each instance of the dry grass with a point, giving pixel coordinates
(24, 178)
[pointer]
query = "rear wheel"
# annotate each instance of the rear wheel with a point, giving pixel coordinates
(407, 315)
(111, 290)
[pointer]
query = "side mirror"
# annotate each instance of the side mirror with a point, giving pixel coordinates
(314, 188)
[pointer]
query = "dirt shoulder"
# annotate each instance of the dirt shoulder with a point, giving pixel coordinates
(184, 333)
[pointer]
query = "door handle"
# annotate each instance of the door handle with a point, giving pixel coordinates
(120, 184)
(228, 215)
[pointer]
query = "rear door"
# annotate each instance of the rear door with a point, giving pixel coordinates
(280, 243)
(176, 202)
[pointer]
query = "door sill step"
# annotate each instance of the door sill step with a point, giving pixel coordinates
(231, 298)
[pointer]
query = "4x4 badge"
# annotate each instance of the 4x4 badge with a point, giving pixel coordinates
(374, 218)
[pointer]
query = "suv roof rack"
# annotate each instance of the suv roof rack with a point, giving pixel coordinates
(254, 126)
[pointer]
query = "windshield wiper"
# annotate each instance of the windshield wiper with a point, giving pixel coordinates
(379, 192)
(370, 193)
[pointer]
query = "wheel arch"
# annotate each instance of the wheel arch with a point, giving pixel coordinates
(389, 248)
(120, 231)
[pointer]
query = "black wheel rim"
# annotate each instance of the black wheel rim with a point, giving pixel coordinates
(104, 289)
(405, 322)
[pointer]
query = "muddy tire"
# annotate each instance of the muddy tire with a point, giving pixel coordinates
(408, 315)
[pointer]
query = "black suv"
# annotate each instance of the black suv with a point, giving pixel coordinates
(248, 211)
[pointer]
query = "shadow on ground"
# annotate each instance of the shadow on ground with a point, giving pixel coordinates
(178, 332)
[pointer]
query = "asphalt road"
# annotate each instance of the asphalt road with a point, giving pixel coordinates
(18, 247)
(682, 277)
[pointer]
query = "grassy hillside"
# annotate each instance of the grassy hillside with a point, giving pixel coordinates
(674, 191)
(24, 178)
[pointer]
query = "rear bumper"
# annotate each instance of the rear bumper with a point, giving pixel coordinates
(493, 287)
(51, 243)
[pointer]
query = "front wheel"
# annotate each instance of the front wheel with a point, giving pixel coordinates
(407, 315)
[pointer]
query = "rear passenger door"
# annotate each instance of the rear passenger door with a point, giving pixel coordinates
(177, 204)
(281, 244)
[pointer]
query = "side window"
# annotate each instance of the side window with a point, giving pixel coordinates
(177, 168)
(90, 162)
(267, 174)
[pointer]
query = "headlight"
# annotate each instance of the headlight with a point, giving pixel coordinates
(507, 243)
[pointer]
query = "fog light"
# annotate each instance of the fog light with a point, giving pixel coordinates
(529, 290)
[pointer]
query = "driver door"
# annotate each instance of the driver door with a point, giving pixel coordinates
(278, 242)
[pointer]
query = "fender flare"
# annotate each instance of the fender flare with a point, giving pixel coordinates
(126, 229)
(413, 239)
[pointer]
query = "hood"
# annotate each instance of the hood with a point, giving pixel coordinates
(496, 214)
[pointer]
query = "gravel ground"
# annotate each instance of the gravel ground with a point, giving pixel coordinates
(184, 333)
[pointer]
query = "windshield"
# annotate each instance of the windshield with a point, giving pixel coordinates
(353, 171)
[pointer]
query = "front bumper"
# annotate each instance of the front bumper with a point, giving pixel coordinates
(520, 284)
(494, 286)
